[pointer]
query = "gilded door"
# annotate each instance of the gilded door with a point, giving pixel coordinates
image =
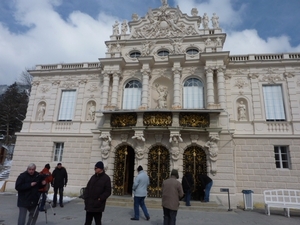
(194, 161)
(124, 171)
(158, 169)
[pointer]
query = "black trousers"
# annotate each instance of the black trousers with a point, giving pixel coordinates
(61, 195)
(89, 216)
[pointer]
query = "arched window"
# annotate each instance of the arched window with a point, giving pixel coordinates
(132, 95)
(163, 53)
(192, 51)
(135, 54)
(193, 94)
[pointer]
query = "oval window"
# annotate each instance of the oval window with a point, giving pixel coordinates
(135, 54)
(192, 51)
(163, 53)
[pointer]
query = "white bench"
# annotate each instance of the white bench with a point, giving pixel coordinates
(282, 198)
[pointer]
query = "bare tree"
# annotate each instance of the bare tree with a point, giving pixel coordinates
(25, 78)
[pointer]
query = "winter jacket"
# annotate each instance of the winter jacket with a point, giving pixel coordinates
(204, 180)
(28, 195)
(48, 178)
(60, 177)
(171, 193)
(141, 184)
(187, 182)
(98, 189)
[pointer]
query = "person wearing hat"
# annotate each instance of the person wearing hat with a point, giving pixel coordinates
(139, 188)
(60, 180)
(48, 178)
(97, 191)
(172, 192)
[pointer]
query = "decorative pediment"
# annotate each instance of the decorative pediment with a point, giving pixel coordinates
(164, 22)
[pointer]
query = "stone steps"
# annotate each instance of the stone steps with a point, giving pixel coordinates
(155, 203)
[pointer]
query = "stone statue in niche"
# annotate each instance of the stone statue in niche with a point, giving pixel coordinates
(41, 112)
(176, 43)
(91, 112)
(242, 111)
(215, 21)
(205, 21)
(116, 28)
(124, 27)
(162, 96)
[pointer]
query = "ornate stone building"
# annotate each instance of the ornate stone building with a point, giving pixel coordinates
(167, 96)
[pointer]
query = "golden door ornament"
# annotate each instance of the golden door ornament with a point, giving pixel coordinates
(120, 165)
(158, 169)
(123, 120)
(194, 120)
(158, 119)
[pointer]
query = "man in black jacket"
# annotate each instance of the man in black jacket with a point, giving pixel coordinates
(60, 180)
(27, 185)
(98, 189)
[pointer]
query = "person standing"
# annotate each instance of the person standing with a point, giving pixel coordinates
(44, 191)
(60, 180)
(27, 185)
(206, 184)
(187, 186)
(172, 192)
(139, 188)
(97, 191)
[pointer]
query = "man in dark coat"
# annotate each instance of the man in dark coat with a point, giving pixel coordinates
(206, 184)
(188, 186)
(27, 185)
(60, 180)
(98, 189)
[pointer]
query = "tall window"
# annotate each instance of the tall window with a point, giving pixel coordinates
(132, 95)
(58, 152)
(67, 105)
(274, 103)
(193, 94)
(282, 157)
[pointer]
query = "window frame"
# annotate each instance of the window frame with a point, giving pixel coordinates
(271, 97)
(280, 161)
(192, 104)
(66, 111)
(159, 53)
(195, 51)
(132, 96)
(135, 54)
(58, 151)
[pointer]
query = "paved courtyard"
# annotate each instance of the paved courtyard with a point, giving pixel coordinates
(73, 214)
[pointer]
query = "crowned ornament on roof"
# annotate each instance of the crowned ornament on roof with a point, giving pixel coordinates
(164, 22)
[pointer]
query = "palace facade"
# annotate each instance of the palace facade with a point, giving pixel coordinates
(167, 96)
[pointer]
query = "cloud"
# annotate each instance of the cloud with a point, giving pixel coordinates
(50, 39)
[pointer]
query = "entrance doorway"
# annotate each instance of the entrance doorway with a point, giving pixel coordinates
(123, 171)
(158, 169)
(194, 162)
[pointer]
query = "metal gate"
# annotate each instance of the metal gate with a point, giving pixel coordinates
(158, 169)
(194, 161)
(123, 171)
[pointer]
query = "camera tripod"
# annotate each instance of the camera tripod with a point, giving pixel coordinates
(47, 201)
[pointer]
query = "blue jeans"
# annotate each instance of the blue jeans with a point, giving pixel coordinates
(43, 202)
(187, 198)
(169, 216)
(207, 191)
(140, 201)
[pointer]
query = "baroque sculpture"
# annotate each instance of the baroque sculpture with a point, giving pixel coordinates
(91, 112)
(116, 28)
(162, 96)
(242, 111)
(212, 148)
(215, 21)
(41, 112)
(175, 152)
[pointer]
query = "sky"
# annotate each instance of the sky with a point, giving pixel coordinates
(34, 32)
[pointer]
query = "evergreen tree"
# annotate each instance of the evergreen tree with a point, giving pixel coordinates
(13, 105)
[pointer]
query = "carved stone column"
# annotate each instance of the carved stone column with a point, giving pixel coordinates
(210, 87)
(221, 87)
(146, 77)
(176, 100)
(105, 90)
(115, 85)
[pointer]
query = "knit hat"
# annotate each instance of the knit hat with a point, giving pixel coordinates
(175, 173)
(99, 165)
(139, 168)
(47, 166)
(59, 164)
